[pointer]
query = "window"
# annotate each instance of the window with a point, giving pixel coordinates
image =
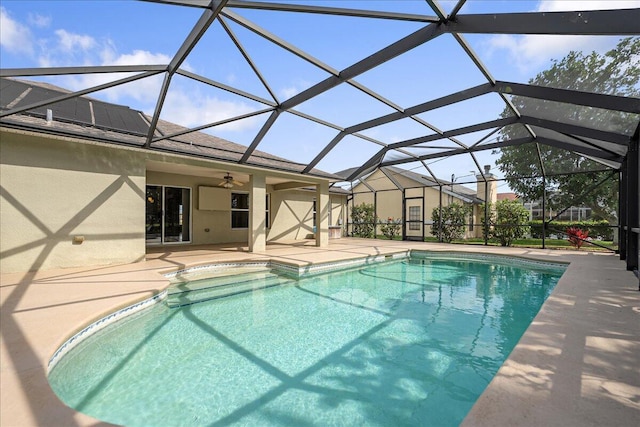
(314, 212)
(267, 220)
(168, 214)
(239, 210)
(414, 218)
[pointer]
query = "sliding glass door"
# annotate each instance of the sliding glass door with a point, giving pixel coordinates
(168, 214)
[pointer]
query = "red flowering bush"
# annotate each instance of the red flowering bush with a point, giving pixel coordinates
(577, 236)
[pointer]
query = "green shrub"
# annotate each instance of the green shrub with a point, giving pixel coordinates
(507, 222)
(452, 223)
(364, 220)
(391, 228)
(596, 229)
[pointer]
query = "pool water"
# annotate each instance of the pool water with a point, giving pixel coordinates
(410, 342)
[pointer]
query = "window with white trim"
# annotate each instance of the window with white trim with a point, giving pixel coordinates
(267, 220)
(239, 210)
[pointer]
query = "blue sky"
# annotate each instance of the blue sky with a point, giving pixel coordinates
(82, 32)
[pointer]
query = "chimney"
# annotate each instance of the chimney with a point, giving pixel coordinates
(49, 115)
(490, 193)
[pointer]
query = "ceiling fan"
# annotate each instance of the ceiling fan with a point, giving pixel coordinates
(229, 182)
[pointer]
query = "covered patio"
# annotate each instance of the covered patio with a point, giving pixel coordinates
(575, 365)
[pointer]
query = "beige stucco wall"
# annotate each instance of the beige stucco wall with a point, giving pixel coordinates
(388, 200)
(53, 191)
(291, 215)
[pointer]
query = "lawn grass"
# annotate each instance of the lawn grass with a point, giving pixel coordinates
(527, 243)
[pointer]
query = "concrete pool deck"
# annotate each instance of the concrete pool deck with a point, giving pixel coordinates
(577, 364)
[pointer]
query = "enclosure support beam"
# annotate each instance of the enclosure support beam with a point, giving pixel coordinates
(375, 214)
(486, 211)
(404, 216)
(544, 211)
(622, 211)
(440, 216)
(633, 211)
(322, 214)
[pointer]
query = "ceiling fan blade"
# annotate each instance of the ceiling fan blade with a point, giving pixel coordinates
(238, 183)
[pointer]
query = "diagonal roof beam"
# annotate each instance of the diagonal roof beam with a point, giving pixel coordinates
(218, 123)
(392, 178)
(377, 158)
(78, 93)
(442, 16)
(225, 87)
(571, 129)
(292, 49)
(588, 99)
(198, 30)
(424, 107)
(240, 20)
(590, 23)
(455, 132)
(263, 131)
(403, 45)
(247, 58)
(96, 69)
(456, 151)
(456, 9)
(581, 150)
(331, 11)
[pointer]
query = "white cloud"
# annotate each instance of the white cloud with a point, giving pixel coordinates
(39, 21)
(288, 92)
(192, 109)
(565, 5)
(62, 48)
(531, 52)
(294, 89)
(70, 42)
(14, 36)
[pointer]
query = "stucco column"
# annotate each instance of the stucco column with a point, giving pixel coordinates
(322, 214)
(257, 207)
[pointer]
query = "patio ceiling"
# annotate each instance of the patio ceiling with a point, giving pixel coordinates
(234, 19)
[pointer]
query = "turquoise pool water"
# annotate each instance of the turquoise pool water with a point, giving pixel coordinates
(411, 342)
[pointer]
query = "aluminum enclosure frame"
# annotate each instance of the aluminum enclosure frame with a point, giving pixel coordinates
(617, 151)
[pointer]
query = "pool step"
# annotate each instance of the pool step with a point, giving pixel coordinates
(191, 292)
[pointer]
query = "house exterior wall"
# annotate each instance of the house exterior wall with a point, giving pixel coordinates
(218, 222)
(55, 190)
(388, 200)
(67, 202)
(292, 214)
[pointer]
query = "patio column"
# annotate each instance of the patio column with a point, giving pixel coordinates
(257, 208)
(322, 214)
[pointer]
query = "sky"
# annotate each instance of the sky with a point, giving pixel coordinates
(94, 32)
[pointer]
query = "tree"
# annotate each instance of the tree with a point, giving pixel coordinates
(616, 72)
(509, 221)
(364, 220)
(452, 223)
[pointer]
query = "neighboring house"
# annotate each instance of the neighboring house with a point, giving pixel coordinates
(574, 213)
(80, 186)
(410, 197)
(507, 196)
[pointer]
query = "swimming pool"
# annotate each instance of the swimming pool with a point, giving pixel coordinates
(405, 342)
